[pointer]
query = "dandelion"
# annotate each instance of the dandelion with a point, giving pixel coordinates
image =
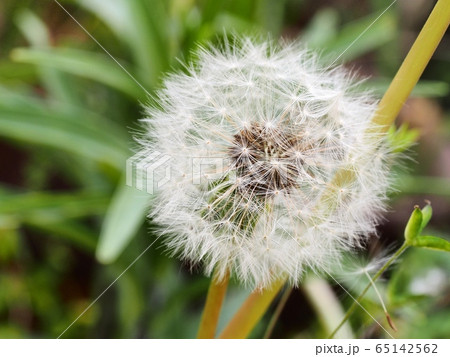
(256, 133)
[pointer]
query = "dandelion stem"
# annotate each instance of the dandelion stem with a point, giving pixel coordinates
(251, 311)
(413, 65)
(277, 313)
(375, 277)
(213, 305)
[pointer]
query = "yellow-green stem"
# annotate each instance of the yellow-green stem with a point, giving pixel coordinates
(213, 305)
(389, 107)
(413, 65)
(251, 312)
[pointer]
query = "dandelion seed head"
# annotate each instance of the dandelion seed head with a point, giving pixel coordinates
(274, 127)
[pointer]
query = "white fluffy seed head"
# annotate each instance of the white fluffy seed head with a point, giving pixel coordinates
(256, 133)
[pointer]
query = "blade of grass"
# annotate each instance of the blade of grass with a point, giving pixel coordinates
(378, 33)
(51, 207)
(69, 230)
(47, 128)
(26, 104)
(81, 63)
(142, 27)
(36, 33)
(124, 217)
(322, 29)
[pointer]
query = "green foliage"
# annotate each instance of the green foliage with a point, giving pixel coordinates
(97, 67)
(402, 138)
(124, 217)
(69, 226)
(424, 88)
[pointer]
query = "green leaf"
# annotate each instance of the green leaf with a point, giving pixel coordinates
(270, 15)
(70, 231)
(34, 30)
(432, 242)
(424, 88)
(123, 219)
(230, 23)
(50, 207)
(143, 27)
(37, 34)
(150, 37)
(104, 128)
(412, 229)
(35, 124)
(416, 265)
(54, 213)
(374, 33)
(98, 67)
(403, 138)
(424, 185)
(322, 28)
(13, 73)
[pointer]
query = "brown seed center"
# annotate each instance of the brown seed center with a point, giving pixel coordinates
(266, 159)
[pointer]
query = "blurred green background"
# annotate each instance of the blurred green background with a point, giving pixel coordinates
(68, 224)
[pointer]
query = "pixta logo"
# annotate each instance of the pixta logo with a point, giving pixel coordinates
(148, 171)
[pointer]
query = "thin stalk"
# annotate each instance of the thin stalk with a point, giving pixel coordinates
(211, 312)
(277, 313)
(251, 311)
(376, 291)
(386, 313)
(361, 296)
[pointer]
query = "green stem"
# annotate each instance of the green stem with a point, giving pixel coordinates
(413, 65)
(357, 302)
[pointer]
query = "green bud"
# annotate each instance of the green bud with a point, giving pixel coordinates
(427, 211)
(414, 225)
